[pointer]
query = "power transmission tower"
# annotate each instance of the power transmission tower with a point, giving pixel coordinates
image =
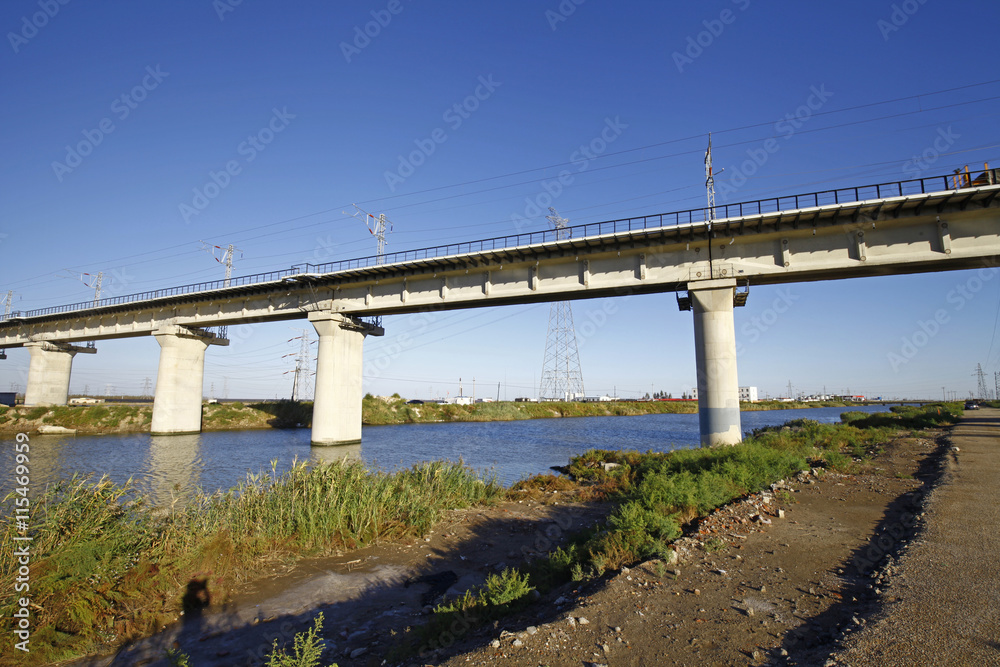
(562, 378)
(996, 382)
(147, 384)
(982, 382)
(302, 385)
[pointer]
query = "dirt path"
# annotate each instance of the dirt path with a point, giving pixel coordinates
(766, 590)
(948, 581)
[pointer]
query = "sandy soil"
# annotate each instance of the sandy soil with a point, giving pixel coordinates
(776, 578)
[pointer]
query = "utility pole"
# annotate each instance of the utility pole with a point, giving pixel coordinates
(375, 226)
(226, 259)
(710, 181)
(91, 281)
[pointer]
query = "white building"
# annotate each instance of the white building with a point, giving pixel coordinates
(747, 394)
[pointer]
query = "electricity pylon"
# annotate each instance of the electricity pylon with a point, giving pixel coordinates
(983, 391)
(302, 388)
(562, 378)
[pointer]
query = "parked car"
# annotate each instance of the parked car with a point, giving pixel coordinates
(415, 402)
(971, 405)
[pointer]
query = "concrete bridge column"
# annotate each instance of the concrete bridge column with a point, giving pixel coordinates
(336, 416)
(715, 353)
(49, 371)
(180, 379)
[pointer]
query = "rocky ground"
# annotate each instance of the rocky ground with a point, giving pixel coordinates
(780, 577)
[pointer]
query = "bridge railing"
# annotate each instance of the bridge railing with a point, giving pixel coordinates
(499, 243)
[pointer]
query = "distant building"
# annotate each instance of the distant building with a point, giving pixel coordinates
(747, 394)
(522, 399)
(462, 400)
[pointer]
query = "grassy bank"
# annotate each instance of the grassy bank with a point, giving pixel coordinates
(397, 411)
(659, 493)
(116, 418)
(105, 569)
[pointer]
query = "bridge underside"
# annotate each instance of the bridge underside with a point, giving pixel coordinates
(923, 233)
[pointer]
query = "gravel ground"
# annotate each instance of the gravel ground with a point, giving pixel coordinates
(947, 583)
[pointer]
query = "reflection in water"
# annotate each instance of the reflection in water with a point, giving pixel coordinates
(346, 453)
(173, 467)
(45, 459)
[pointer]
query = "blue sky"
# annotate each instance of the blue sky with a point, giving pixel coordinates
(134, 131)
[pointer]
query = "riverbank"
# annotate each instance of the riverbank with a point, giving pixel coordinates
(624, 508)
(376, 411)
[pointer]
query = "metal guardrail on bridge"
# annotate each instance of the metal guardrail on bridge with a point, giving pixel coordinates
(950, 182)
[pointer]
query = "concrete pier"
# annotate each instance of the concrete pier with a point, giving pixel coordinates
(180, 379)
(337, 403)
(715, 354)
(49, 371)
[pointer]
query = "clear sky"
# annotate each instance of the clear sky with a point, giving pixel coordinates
(134, 130)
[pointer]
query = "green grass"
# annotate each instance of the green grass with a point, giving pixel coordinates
(105, 569)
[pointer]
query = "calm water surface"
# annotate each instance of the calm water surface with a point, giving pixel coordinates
(167, 467)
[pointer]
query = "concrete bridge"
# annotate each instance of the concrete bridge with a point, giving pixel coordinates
(709, 261)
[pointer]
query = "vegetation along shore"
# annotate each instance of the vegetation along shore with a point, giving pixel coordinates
(231, 416)
(108, 569)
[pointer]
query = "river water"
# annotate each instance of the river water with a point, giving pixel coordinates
(172, 467)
